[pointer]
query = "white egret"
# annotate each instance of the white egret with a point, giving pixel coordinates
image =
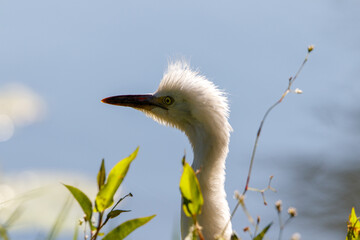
(188, 101)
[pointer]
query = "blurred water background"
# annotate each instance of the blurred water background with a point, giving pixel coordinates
(58, 59)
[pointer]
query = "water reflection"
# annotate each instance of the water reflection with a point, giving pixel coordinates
(326, 193)
(326, 186)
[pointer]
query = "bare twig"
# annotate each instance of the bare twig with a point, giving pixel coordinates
(98, 226)
(101, 214)
(107, 218)
(198, 230)
(282, 225)
(262, 191)
(85, 235)
(288, 90)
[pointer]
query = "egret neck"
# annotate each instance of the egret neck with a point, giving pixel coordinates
(188, 101)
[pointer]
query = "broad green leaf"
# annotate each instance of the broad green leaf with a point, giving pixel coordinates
(353, 226)
(115, 213)
(190, 191)
(83, 200)
(101, 175)
(261, 235)
(105, 197)
(124, 229)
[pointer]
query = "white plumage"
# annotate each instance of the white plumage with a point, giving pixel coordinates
(188, 101)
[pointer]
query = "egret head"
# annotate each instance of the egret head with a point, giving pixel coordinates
(185, 100)
(188, 101)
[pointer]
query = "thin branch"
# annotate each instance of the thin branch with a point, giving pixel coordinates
(262, 191)
(107, 218)
(198, 230)
(101, 214)
(85, 235)
(98, 226)
(282, 226)
(257, 225)
(288, 89)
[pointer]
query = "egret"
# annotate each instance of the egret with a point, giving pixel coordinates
(186, 100)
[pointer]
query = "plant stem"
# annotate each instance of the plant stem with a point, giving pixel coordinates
(98, 226)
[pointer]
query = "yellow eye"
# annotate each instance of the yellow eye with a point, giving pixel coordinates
(168, 100)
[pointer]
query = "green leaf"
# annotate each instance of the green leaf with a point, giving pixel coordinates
(353, 226)
(3, 233)
(115, 213)
(261, 235)
(105, 197)
(101, 175)
(190, 191)
(83, 200)
(124, 229)
(234, 236)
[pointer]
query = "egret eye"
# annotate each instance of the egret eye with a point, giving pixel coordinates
(168, 100)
